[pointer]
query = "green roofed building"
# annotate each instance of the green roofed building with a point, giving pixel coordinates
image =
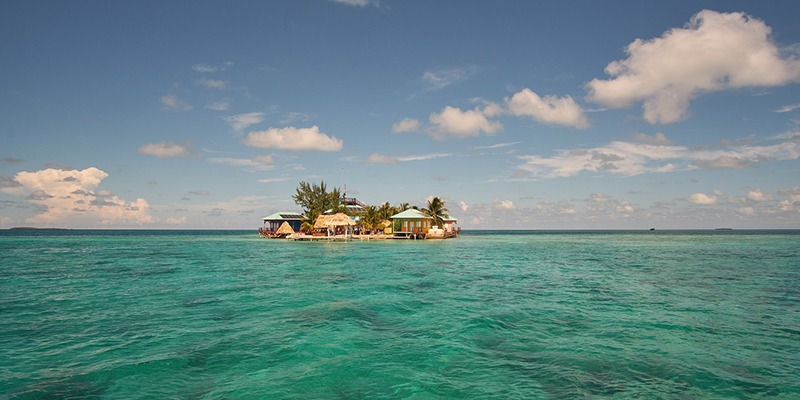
(274, 221)
(412, 222)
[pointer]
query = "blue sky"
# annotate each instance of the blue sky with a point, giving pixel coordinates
(521, 115)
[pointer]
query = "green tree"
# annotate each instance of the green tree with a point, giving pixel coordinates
(436, 210)
(316, 199)
(371, 217)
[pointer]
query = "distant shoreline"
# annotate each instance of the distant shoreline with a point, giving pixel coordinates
(30, 228)
(25, 228)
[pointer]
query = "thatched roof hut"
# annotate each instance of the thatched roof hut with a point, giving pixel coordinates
(330, 221)
(285, 229)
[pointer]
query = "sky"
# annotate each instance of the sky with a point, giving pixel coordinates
(519, 114)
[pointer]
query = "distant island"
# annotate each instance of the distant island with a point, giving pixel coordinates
(30, 228)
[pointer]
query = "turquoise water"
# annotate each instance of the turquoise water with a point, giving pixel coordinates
(525, 315)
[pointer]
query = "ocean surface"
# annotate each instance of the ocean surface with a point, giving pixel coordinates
(491, 315)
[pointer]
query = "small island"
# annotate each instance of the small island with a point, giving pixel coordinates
(332, 216)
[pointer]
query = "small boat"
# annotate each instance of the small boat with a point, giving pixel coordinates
(652, 229)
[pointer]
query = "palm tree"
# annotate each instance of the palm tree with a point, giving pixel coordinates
(436, 210)
(370, 219)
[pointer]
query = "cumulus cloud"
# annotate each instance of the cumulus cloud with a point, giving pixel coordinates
(551, 110)
(702, 199)
(602, 204)
(176, 221)
(296, 139)
(714, 51)
(57, 192)
(793, 193)
(757, 195)
(626, 158)
(503, 204)
(241, 122)
(169, 149)
(174, 103)
(258, 163)
(461, 124)
(406, 125)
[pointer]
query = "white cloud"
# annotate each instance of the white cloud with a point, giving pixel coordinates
(424, 157)
(723, 162)
(788, 108)
(715, 51)
(461, 124)
(503, 204)
(291, 138)
(702, 199)
(176, 221)
(270, 180)
(212, 83)
(406, 125)
(6, 221)
(625, 158)
(205, 68)
(67, 198)
(747, 210)
(241, 122)
(496, 146)
(793, 193)
(174, 103)
(599, 204)
(438, 79)
(758, 196)
(358, 3)
(464, 206)
(381, 159)
(168, 149)
(551, 110)
(221, 105)
(258, 163)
